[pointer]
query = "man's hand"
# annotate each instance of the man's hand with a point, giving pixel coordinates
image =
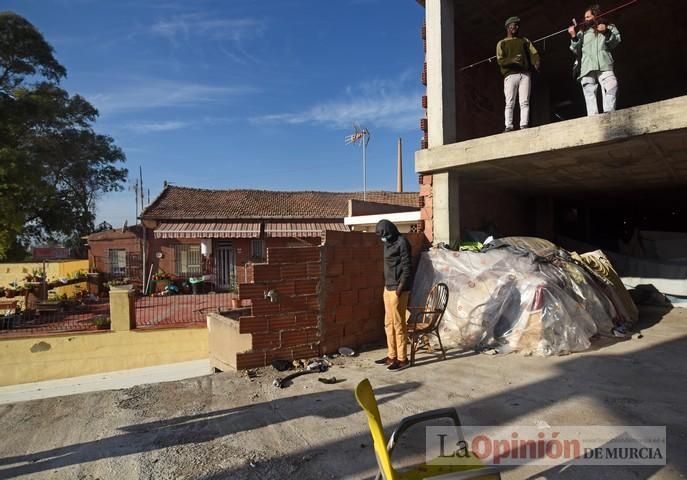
(571, 31)
(398, 292)
(518, 58)
(537, 65)
(601, 28)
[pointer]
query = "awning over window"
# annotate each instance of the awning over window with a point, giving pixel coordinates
(301, 229)
(208, 230)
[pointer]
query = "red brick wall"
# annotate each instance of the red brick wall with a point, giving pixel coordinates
(353, 310)
(98, 250)
(328, 297)
(242, 252)
(426, 209)
(288, 328)
(352, 293)
(166, 247)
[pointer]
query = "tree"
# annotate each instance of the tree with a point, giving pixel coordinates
(53, 166)
(24, 52)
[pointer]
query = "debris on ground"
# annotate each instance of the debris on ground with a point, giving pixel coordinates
(316, 366)
(329, 380)
(281, 365)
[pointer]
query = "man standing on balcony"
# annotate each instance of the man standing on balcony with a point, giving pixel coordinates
(592, 45)
(516, 56)
(397, 279)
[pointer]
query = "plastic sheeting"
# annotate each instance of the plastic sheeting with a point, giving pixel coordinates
(667, 277)
(522, 296)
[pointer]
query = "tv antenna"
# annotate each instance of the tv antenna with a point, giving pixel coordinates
(361, 135)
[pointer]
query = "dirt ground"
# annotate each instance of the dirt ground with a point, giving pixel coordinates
(228, 425)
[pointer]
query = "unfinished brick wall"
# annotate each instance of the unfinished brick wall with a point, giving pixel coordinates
(353, 283)
(426, 209)
(288, 327)
(327, 297)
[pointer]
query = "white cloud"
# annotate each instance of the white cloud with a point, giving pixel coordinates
(380, 103)
(232, 35)
(190, 25)
(153, 94)
(153, 127)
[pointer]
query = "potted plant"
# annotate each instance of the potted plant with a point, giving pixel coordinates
(162, 280)
(101, 322)
(33, 279)
(12, 290)
(120, 284)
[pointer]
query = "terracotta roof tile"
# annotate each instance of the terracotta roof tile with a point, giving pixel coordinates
(116, 234)
(195, 203)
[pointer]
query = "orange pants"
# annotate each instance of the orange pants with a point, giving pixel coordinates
(395, 323)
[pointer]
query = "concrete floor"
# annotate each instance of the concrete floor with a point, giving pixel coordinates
(230, 426)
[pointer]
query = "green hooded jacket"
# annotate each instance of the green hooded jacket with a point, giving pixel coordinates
(593, 49)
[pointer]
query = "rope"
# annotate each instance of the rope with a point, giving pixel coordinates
(489, 59)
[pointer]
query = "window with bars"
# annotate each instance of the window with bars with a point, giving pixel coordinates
(187, 260)
(257, 249)
(117, 261)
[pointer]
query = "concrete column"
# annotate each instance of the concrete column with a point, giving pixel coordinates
(122, 310)
(441, 72)
(446, 213)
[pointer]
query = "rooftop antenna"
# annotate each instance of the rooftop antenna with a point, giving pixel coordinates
(135, 188)
(399, 167)
(361, 135)
(140, 175)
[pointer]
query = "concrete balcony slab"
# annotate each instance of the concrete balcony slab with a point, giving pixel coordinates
(641, 147)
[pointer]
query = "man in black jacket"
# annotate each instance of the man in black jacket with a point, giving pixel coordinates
(396, 292)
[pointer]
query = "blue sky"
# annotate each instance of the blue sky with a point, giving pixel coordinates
(243, 93)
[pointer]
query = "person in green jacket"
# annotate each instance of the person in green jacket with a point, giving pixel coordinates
(592, 45)
(516, 56)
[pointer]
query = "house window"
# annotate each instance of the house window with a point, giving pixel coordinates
(187, 260)
(117, 260)
(257, 249)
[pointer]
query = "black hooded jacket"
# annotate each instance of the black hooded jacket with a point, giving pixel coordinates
(396, 257)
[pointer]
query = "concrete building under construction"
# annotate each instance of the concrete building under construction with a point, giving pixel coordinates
(593, 179)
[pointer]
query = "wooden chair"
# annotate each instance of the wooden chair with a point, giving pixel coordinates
(469, 468)
(425, 321)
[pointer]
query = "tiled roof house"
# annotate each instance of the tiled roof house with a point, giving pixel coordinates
(192, 231)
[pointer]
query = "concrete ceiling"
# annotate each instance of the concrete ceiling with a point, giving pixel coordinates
(646, 162)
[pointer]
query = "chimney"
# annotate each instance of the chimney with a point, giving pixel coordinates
(399, 176)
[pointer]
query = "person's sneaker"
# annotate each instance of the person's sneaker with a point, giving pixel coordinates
(524, 127)
(398, 365)
(508, 129)
(384, 361)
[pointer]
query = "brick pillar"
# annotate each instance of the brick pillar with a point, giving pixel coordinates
(426, 207)
(122, 310)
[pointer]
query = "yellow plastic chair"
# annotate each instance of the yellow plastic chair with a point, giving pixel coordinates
(470, 469)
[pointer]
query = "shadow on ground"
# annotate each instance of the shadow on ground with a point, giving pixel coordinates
(644, 387)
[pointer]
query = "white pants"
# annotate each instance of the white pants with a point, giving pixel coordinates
(609, 87)
(517, 84)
